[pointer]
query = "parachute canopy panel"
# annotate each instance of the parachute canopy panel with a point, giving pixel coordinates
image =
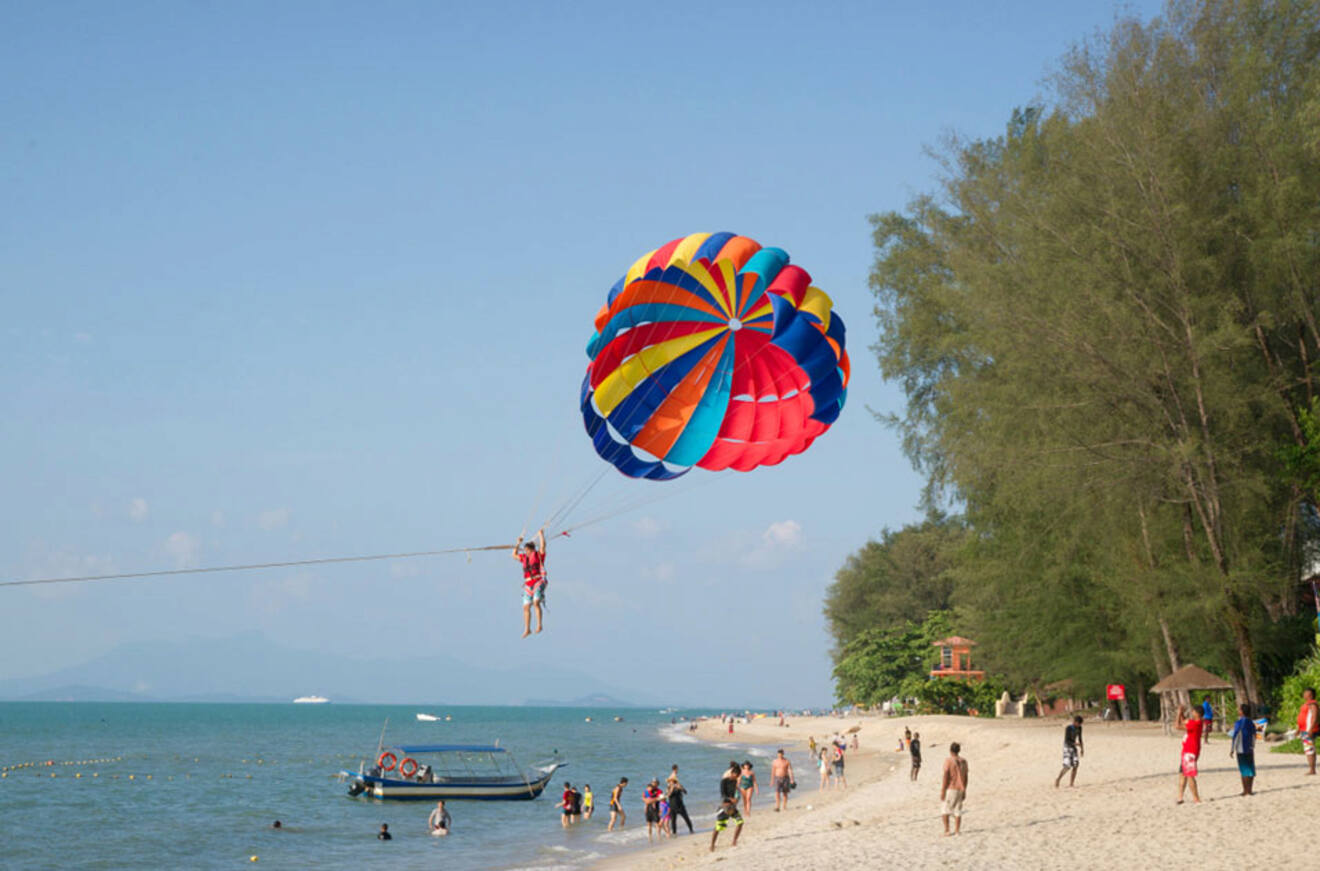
(712, 351)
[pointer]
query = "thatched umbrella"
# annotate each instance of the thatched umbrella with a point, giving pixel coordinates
(1190, 677)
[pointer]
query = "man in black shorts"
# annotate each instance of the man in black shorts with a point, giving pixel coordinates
(616, 805)
(781, 774)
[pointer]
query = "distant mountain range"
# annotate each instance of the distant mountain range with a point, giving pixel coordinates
(252, 668)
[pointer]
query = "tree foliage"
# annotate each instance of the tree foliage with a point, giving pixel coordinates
(882, 663)
(1105, 322)
(900, 578)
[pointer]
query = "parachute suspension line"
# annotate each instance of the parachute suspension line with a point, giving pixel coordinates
(634, 504)
(571, 504)
(254, 566)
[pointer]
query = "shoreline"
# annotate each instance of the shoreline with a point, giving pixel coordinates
(1124, 801)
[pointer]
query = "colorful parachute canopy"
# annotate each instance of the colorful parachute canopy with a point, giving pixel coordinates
(712, 351)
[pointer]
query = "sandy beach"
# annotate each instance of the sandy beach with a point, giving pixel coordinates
(1121, 812)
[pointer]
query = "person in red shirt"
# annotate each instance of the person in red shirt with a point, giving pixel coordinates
(1190, 720)
(1308, 726)
(532, 557)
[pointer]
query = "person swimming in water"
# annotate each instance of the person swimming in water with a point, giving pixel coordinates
(384, 833)
(532, 557)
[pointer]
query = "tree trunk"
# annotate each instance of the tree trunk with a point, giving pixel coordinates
(1141, 701)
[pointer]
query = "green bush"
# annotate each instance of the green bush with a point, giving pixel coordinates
(948, 696)
(1293, 746)
(1307, 674)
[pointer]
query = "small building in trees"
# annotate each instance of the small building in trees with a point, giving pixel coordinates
(956, 659)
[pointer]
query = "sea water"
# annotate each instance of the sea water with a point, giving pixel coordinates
(198, 785)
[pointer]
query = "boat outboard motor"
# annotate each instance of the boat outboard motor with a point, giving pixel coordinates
(356, 787)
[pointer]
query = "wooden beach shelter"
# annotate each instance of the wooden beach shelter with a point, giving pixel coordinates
(1189, 677)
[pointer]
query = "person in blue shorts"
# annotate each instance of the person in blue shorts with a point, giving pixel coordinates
(1243, 734)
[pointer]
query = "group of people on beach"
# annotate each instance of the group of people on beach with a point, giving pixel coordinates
(830, 758)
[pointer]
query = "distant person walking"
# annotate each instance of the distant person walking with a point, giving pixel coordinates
(840, 781)
(616, 805)
(781, 775)
(588, 801)
(914, 749)
(1190, 720)
(1073, 751)
(1243, 735)
(1207, 719)
(825, 766)
(748, 786)
(953, 789)
(1308, 727)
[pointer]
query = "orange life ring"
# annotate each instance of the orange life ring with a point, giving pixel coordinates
(410, 764)
(391, 757)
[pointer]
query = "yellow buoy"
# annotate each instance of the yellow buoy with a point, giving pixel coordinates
(131, 776)
(252, 858)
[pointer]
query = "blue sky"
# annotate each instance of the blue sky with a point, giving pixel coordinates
(298, 279)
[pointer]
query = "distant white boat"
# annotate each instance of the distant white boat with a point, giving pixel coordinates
(428, 718)
(310, 700)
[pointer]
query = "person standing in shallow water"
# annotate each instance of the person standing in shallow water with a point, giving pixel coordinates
(1072, 751)
(616, 805)
(677, 803)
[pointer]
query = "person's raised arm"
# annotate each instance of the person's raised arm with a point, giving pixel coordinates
(540, 539)
(516, 545)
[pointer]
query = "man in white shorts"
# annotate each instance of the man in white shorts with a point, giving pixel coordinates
(953, 788)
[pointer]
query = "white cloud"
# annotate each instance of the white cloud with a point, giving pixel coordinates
(647, 526)
(784, 534)
(767, 549)
(183, 548)
(138, 509)
(274, 518)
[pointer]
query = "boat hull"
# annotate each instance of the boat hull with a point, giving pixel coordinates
(503, 789)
